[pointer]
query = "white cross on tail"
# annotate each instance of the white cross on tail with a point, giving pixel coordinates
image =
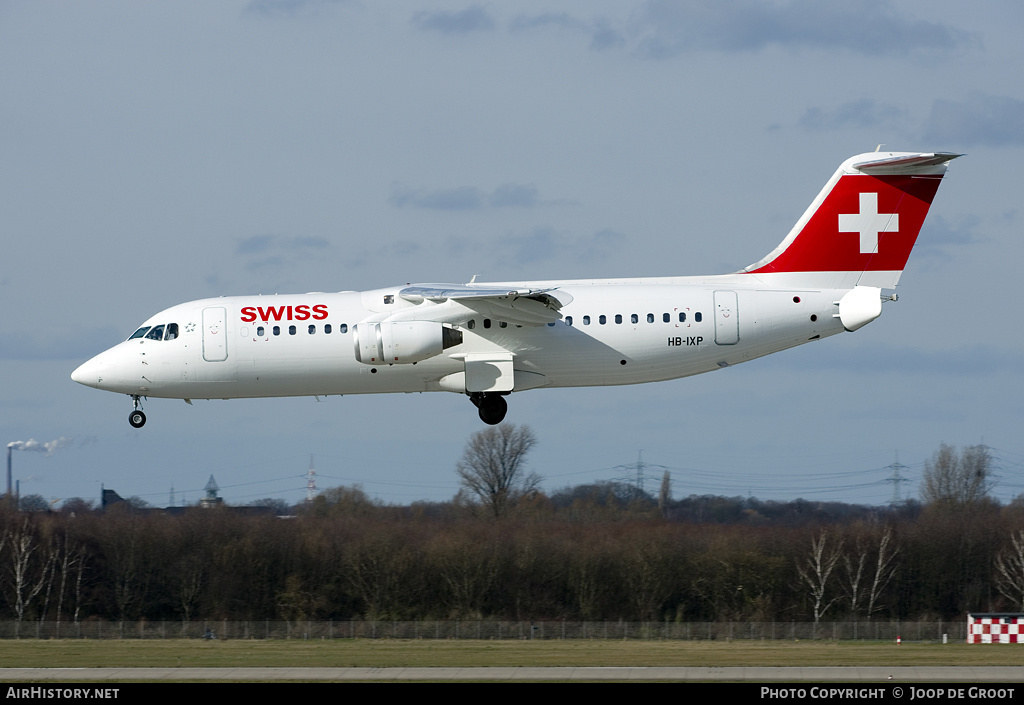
(869, 222)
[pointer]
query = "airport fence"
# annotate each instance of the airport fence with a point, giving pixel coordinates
(879, 631)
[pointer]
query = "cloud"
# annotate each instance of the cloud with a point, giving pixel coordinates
(64, 343)
(539, 246)
(545, 244)
(979, 121)
(859, 114)
(936, 246)
(396, 252)
(559, 20)
(271, 251)
(468, 198)
(950, 231)
(472, 19)
(255, 244)
(904, 361)
(288, 8)
(600, 246)
(461, 198)
(603, 34)
(519, 195)
(874, 27)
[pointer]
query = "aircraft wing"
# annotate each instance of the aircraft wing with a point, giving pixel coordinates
(519, 306)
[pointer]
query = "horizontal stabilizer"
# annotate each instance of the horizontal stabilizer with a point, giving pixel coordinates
(904, 163)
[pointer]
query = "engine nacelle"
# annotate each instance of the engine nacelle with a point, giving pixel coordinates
(403, 342)
(859, 306)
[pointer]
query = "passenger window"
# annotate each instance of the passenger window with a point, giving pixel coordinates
(172, 331)
(502, 324)
(650, 318)
(697, 317)
(471, 323)
(618, 318)
(260, 331)
(666, 318)
(139, 333)
(327, 329)
(312, 330)
(343, 328)
(277, 330)
(602, 319)
(633, 318)
(487, 323)
(586, 320)
(291, 330)
(568, 320)
(157, 333)
(682, 317)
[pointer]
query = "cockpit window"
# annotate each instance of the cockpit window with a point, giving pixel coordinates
(164, 332)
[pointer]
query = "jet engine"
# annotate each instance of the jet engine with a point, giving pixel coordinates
(859, 306)
(402, 342)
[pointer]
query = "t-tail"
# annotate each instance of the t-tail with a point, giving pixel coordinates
(860, 229)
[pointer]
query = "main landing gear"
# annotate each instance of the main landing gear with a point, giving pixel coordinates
(137, 419)
(492, 406)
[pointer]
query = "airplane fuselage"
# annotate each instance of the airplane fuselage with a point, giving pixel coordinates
(490, 340)
(613, 332)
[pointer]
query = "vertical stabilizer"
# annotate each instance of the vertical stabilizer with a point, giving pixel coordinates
(862, 226)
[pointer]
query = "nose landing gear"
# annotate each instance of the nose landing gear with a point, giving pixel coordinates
(492, 407)
(137, 419)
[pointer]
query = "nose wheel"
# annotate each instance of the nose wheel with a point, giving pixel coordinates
(492, 407)
(137, 419)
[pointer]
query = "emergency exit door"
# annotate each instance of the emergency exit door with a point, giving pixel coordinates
(727, 319)
(215, 334)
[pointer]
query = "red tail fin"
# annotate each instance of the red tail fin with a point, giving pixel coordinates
(863, 224)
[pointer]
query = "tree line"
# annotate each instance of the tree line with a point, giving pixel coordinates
(597, 552)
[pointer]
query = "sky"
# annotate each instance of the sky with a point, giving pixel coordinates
(157, 153)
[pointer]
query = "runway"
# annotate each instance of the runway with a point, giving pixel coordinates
(749, 674)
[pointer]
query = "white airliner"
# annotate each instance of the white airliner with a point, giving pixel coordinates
(830, 274)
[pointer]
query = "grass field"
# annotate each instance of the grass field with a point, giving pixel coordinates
(397, 653)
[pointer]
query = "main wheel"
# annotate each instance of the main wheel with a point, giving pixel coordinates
(493, 408)
(137, 419)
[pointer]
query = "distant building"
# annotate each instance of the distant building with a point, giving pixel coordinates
(211, 499)
(111, 498)
(995, 628)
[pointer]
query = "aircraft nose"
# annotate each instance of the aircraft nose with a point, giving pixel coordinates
(88, 373)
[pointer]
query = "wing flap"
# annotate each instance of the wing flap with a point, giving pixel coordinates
(520, 306)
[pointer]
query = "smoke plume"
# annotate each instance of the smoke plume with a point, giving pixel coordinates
(35, 446)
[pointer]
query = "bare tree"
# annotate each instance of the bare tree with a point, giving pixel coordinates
(493, 467)
(1010, 570)
(854, 565)
(190, 577)
(71, 557)
(857, 573)
(817, 569)
(467, 567)
(957, 480)
(885, 569)
(27, 568)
